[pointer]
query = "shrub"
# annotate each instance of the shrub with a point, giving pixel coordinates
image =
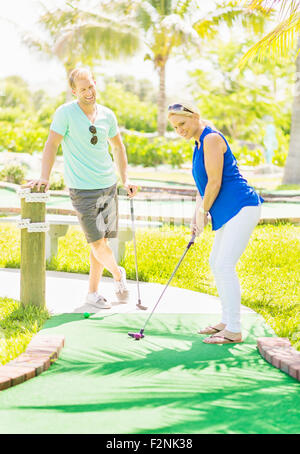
(281, 153)
(11, 114)
(15, 95)
(130, 111)
(47, 109)
(246, 156)
(57, 182)
(155, 151)
(13, 173)
(24, 137)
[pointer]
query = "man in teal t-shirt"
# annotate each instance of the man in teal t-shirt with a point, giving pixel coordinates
(84, 129)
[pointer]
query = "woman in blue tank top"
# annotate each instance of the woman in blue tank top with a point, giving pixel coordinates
(234, 208)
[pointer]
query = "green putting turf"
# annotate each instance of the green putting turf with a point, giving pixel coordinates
(168, 382)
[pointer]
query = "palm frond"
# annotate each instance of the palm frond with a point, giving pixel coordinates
(147, 15)
(99, 39)
(286, 7)
(88, 36)
(37, 44)
(208, 25)
(180, 30)
(278, 42)
(182, 7)
(163, 7)
(264, 6)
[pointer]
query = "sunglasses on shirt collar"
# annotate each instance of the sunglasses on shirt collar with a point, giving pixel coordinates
(178, 108)
(93, 130)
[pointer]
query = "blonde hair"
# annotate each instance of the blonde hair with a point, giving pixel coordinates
(187, 105)
(79, 73)
(193, 111)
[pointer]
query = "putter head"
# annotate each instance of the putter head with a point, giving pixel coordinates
(137, 336)
(141, 307)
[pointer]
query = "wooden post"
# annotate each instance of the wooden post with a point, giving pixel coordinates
(33, 259)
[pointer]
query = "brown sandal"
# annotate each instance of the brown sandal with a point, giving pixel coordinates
(209, 330)
(221, 340)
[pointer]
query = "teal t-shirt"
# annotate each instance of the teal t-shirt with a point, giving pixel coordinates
(86, 166)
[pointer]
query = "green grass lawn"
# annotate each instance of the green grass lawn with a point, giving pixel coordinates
(269, 272)
(289, 187)
(17, 326)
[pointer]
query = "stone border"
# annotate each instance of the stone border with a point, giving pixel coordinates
(41, 352)
(279, 352)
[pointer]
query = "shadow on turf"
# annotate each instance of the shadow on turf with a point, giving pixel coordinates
(161, 359)
(205, 389)
(195, 387)
(152, 353)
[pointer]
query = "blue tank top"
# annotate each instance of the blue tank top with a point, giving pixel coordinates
(235, 192)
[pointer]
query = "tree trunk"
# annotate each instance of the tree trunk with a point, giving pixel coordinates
(292, 166)
(162, 116)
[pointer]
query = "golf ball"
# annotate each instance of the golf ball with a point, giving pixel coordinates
(86, 315)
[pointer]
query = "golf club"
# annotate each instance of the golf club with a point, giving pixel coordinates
(139, 304)
(140, 335)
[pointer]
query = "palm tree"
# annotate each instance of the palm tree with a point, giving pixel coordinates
(280, 41)
(181, 25)
(292, 166)
(284, 35)
(80, 35)
(77, 35)
(163, 27)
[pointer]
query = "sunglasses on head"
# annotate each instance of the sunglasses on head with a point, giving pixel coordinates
(179, 108)
(93, 130)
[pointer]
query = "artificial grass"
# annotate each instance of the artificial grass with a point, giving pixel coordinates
(17, 326)
(169, 382)
(269, 269)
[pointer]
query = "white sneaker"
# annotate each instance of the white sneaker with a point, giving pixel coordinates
(121, 288)
(98, 301)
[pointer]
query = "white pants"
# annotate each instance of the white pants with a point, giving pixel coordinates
(229, 244)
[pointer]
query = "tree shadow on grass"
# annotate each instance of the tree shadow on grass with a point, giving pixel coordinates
(163, 348)
(219, 412)
(172, 382)
(205, 389)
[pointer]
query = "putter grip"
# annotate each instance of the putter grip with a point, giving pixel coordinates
(192, 241)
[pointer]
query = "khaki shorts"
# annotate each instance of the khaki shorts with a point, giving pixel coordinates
(97, 212)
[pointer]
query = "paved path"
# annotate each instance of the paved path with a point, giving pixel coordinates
(65, 293)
